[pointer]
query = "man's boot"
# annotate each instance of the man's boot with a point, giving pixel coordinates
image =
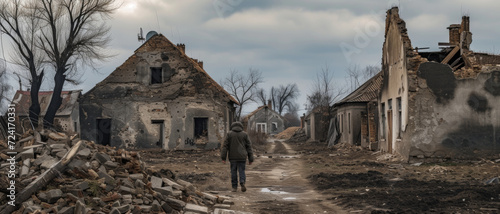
(243, 188)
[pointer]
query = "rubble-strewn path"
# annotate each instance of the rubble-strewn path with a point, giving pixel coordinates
(276, 185)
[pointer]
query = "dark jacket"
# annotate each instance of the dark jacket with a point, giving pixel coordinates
(237, 146)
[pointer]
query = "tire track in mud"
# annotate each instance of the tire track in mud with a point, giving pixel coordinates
(276, 185)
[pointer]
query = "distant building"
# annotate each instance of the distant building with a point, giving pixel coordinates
(356, 116)
(67, 117)
(316, 123)
(158, 98)
(265, 120)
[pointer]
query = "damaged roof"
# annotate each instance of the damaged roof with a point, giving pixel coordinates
(22, 101)
(366, 92)
(246, 117)
(125, 73)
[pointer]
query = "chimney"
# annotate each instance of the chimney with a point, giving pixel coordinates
(200, 63)
(269, 104)
(182, 47)
(465, 24)
(454, 34)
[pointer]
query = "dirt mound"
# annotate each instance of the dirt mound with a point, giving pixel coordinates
(287, 133)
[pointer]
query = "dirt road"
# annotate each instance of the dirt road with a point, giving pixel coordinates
(276, 185)
(307, 177)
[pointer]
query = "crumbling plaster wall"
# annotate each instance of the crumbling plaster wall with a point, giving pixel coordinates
(456, 118)
(351, 131)
(396, 65)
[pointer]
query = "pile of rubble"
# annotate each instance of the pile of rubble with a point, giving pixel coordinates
(298, 136)
(62, 174)
(287, 133)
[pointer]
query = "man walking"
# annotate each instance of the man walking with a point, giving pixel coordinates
(237, 147)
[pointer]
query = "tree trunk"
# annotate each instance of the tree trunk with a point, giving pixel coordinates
(34, 110)
(55, 102)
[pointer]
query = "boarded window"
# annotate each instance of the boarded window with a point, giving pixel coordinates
(156, 75)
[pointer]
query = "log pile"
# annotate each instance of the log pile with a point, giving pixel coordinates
(62, 174)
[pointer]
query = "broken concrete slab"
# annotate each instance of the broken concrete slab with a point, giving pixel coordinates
(83, 153)
(173, 184)
(50, 196)
(166, 191)
(28, 154)
(48, 162)
(136, 176)
(226, 211)
(222, 206)
(156, 182)
(58, 146)
(102, 158)
(110, 165)
(80, 208)
(176, 204)
(126, 190)
(67, 210)
(196, 208)
(166, 207)
(210, 197)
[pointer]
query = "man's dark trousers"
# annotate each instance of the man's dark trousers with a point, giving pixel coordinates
(237, 167)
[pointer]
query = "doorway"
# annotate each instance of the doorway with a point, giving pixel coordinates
(389, 134)
(103, 131)
(158, 124)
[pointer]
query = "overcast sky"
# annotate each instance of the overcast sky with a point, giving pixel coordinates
(289, 41)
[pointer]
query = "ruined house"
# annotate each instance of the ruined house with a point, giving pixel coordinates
(158, 98)
(67, 117)
(264, 120)
(440, 104)
(316, 123)
(355, 119)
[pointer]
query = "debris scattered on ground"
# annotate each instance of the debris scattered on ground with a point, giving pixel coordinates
(64, 174)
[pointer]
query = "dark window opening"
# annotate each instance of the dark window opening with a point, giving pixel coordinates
(103, 131)
(400, 117)
(159, 127)
(275, 127)
(200, 128)
(156, 75)
(383, 121)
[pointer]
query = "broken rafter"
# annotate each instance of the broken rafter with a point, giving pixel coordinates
(450, 55)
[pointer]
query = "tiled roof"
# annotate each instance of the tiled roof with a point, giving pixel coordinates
(22, 101)
(366, 92)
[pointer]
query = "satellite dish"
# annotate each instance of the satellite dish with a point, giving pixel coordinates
(151, 34)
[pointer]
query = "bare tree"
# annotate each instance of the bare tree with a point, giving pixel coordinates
(73, 35)
(243, 87)
(284, 96)
(262, 97)
(358, 75)
(354, 74)
(4, 87)
(19, 21)
(292, 115)
(324, 93)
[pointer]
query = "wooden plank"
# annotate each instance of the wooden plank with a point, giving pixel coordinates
(450, 55)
